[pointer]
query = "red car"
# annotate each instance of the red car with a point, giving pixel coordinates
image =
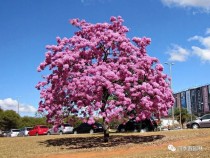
(38, 130)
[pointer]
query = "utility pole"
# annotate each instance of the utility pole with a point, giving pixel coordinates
(170, 72)
(18, 108)
(18, 105)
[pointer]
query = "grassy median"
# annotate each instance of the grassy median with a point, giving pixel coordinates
(187, 143)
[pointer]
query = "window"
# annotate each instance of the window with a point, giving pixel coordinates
(66, 125)
(206, 117)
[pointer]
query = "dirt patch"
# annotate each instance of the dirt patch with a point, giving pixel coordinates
(187, 144)
(152, 150)
(97, 141)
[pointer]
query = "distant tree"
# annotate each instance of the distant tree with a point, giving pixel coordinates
(185, 116)
(9, 119)
(1, 110)
(73, 120)
(99, 71)
(27, 121)
(1, 119)
(114, 123)
(41, 121)
(39, 114)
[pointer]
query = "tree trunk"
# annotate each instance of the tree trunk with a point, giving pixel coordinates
(106, 135)
(105, 125)
(106, 131)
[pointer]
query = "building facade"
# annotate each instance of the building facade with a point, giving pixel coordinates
(195, 100)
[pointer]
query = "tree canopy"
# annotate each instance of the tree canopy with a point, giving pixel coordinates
(185, 116)
(9, 119)
(99, 71)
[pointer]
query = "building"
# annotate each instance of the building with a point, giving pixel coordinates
(196, 100)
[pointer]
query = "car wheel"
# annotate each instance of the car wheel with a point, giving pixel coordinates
(37, 134)
(122, 130)
(156, 129)
(60, 132)
(91, 131)
(195, 126)
(75, 132)
(48, 133)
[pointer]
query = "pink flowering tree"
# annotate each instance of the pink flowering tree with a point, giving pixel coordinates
(101, 72)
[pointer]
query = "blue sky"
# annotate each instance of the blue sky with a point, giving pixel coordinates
(179, 29)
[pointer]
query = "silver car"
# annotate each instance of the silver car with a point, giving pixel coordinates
(200, 122)
(13, 133)
(62, 129)
(24, 131)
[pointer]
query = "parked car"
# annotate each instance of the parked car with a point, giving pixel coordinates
(61, 129)
(200, 122)
(133, 126)
(168, 124)
(87, 128)
(3, 133)
(38, 130)
(24, 131)
(13, 133)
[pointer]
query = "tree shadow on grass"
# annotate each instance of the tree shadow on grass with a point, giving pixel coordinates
(97, 141)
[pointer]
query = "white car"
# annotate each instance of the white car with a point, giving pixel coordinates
(13, 133)
(167, 124)
(24, 131)
(62, 129)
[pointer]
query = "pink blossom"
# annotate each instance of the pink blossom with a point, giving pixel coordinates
(159, 67)
(66, 66)
(39, 69)
(91, 120)
(100, 70)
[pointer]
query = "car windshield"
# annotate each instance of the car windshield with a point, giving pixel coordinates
(66, 125)
(205, 117)
(28, 128)
(98, 124)
(43, 126)
(15, 130)
(83, 125)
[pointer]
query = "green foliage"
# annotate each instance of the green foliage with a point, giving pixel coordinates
(27, 121)
(185, 116)
(73, 120)
(113, 124)
(1, 111)
(9, 119)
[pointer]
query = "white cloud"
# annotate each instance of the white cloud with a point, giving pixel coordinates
(177, 53)
(10, 104)
(202, 53)
(202, 50)
(203, 4)
(205, 41)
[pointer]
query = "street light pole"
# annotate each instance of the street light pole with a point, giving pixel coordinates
(18, 105)
(18, 108)
(170, 72)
